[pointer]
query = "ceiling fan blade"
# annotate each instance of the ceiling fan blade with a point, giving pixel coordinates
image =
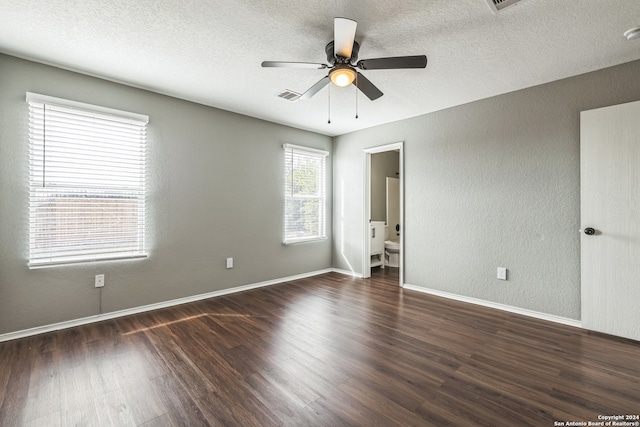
(344, 34)
(366, 87)
(416, 61)
(282, 64)
(315, 88)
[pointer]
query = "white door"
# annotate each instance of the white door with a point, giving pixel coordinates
(610, 205)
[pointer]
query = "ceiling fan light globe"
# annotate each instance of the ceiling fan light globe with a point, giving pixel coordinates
(342, 77)
(342, 80)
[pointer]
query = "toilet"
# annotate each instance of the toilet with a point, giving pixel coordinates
(392, 253)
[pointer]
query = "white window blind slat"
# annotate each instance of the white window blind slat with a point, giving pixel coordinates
(305, 194)
(87, 180)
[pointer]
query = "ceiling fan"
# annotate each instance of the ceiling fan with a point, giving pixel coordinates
(342, 54)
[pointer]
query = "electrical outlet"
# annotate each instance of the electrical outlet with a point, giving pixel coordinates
(99, 280)
(229, 262)
(502, 273)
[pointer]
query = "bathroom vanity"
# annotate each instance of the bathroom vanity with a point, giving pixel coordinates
(377, 244)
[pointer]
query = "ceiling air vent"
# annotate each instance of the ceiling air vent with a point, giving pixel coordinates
(289, 95)
(500, 5)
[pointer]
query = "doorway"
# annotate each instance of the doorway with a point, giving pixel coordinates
(395, 230)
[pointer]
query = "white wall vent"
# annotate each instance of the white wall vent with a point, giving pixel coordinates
(499, 5)
(289, 95)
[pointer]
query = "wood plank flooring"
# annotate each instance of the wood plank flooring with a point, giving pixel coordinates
(324, 351)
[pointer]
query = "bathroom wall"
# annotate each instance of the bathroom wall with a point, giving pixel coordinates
(493, 183)
(383, 165)
(393, 208)
(215, 191)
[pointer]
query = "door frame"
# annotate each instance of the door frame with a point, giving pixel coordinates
(366, 246)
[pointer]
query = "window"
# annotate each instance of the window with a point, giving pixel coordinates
(305, 194)
(86, 182)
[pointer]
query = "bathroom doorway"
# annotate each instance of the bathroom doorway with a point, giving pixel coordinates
(383, 207)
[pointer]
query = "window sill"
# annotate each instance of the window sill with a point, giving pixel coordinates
(300, 241)
(76, 261)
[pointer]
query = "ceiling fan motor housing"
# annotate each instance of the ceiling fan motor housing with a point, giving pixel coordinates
(340, 60)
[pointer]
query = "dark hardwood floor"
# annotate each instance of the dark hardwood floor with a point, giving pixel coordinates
(325, 351)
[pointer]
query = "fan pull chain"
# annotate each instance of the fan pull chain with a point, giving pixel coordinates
(329, 92)
(356, 94)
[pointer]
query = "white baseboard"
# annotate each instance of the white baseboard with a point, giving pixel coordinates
(347, 273)
(498, 306)
(135, 310)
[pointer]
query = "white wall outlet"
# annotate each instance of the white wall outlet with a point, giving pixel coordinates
(229, 262)
(99, 280)
(502, 273)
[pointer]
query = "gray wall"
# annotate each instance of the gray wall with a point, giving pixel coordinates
(383, 165)
(215, 191)
(487, 184)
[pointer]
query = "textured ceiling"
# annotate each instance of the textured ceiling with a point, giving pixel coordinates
(210, 51)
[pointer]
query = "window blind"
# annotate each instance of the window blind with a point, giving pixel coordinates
(305, 194)
(86, 182)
